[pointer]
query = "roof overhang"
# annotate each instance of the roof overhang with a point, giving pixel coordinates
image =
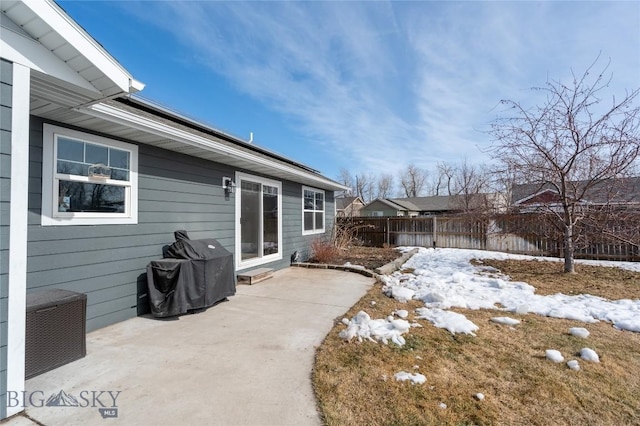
(40, 35)
(165, 135)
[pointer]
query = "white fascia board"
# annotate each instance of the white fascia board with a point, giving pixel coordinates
(28, 52)
(126, 118)
(69, 30)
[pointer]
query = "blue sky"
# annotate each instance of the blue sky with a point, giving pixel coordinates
(367, 86)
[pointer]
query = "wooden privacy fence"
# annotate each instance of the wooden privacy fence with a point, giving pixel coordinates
(520, 234)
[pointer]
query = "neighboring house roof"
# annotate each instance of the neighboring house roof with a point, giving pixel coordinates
(75, 81)
(344, 202)
(445, 203)
(388, 203)
(617, 191)
(405, 203)
(432, 203)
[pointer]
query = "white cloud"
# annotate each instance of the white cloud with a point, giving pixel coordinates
(384, 84)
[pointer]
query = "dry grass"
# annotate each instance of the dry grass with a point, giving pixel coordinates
(506, 364)
(610, 283)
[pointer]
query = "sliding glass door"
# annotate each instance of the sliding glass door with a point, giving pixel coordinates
(259, 219)
(249, 219)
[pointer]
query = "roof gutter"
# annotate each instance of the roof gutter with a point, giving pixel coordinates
(126, 118)
(149, 106)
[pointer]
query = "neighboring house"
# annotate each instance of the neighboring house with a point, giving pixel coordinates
(93, 182)
(433, 205)
(623, 192)
(348, 206)
(456, 204)
(381, 207)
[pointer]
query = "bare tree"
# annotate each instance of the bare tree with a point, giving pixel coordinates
(470, 178)
(385, 186)
(365, 186)
(502, 181)
(412, 181)
(446, 172)
(573, 144)
(346, 178)
(471, 185)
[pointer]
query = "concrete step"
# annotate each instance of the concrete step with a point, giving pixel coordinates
(255, 276)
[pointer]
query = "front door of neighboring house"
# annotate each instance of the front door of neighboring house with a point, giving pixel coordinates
(259, 220)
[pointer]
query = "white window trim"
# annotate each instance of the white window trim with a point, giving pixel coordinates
(264, 259)
(49, 215)
(324, 211)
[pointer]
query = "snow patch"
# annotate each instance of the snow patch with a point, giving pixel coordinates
(401, 325)
(574, 365)
(362, 327)
(452, 321)
(631, 324)
(554, 355)
(589, 355)
(402, 313)
(415, 378)
(579, 332)
(505, 320)
(401, 294)
(444, 278)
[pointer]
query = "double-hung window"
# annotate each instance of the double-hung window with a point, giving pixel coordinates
(312, 211)
(87, 179)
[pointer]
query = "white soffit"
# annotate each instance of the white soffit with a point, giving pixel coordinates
(58, 47)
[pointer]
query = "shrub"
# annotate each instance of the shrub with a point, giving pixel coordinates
(345, 232)
(323, 251)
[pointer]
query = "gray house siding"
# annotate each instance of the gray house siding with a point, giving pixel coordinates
(293, 240)
(6, 96)
(378, 206)
(107, 262)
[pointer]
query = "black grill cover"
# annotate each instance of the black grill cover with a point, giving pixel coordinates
(195, 274)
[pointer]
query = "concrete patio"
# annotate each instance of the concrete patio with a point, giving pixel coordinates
(247, 361)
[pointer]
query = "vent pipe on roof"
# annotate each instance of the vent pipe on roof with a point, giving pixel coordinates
(250, 137)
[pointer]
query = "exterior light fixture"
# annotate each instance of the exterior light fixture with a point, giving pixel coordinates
(228, 185)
